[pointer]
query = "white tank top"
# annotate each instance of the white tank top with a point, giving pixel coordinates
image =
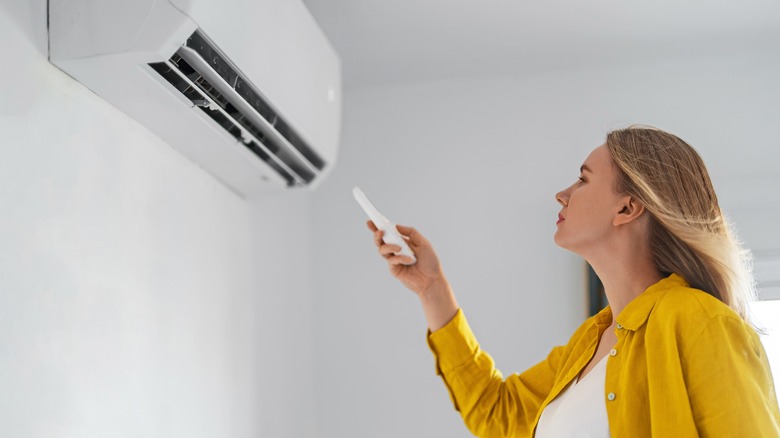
(580, 410)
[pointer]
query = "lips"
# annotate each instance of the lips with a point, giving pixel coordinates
(560, 219)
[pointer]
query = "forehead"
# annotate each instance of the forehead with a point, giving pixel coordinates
(599, 158)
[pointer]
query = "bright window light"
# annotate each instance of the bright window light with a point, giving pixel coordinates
(765, 313)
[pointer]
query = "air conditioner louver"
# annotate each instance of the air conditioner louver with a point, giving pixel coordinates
(200, 72)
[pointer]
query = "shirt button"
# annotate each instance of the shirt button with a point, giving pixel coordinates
(620, 327)
(611, 396)
(612, 352)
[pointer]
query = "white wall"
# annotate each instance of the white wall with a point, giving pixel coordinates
(138, 296)
(474, 165)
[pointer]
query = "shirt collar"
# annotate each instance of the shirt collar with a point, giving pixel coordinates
(635, 314)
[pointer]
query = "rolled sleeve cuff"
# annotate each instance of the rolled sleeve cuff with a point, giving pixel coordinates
(453, 345)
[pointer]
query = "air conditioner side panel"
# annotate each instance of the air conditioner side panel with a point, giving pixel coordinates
(87, 28)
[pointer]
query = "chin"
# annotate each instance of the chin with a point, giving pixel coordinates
(564, 245)
(558, 241)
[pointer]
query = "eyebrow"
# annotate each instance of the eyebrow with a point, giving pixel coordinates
(585, 167)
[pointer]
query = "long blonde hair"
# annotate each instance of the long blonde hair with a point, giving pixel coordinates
(688, 233)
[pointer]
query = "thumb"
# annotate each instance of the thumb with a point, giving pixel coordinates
(412, 233)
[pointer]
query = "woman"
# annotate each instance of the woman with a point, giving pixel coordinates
(672, 355)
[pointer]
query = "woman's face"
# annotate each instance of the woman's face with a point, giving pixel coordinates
(590, 205)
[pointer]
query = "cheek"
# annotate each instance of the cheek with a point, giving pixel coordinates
(591, 209)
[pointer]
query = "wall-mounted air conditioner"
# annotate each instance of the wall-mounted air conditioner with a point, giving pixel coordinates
(248, 89)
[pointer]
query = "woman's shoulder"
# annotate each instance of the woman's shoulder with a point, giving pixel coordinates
(686, 301)
(691, 310)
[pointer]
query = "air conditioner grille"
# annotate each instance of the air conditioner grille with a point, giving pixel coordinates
(188, 90)
(218, 89)
(222, 66)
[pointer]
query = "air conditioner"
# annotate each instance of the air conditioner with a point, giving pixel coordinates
(250, 90)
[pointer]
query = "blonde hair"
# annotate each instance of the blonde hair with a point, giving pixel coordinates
(689, 235)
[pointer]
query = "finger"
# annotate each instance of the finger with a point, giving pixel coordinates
(378, 238)
(412, 233)
(399, 260)
(371, 225)
(389, 249)
(406, 231)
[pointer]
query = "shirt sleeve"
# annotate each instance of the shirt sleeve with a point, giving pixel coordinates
(730, 384)
(490, 406)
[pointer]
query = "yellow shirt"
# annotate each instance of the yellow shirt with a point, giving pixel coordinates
(685, 365)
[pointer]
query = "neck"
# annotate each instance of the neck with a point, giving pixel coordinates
(626, 273)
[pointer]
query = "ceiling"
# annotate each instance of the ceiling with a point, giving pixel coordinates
(386, 42)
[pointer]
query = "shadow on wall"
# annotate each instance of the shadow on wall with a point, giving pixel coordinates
(31, 18)
(597, 300)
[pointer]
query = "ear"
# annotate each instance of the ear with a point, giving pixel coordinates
(630, 210)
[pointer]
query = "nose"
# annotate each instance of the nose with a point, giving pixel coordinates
(562, 197)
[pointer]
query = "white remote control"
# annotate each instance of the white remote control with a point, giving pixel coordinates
(391, 234)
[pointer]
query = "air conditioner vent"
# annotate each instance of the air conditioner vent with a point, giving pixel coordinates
(209, 80)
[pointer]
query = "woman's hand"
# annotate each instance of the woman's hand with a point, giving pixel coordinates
(425, 278)
(417, 277)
